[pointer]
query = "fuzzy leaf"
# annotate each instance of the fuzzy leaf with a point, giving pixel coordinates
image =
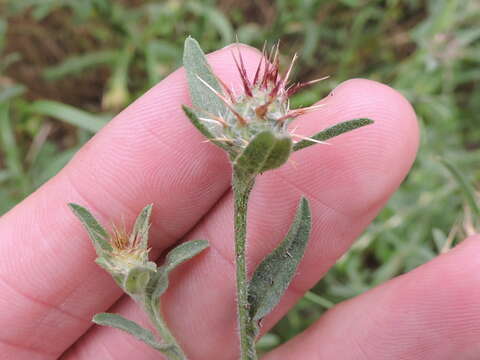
(137, 279)
(96, 232)
(184, 252)
(265, 151)
(119, 322)
(196, 66)
(181, 253)
(333, 131)
(202, 127)
(141, 227)
(158, 285)
(276, 271)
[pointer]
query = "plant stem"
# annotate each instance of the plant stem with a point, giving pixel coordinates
(241, 190)
(173, 351)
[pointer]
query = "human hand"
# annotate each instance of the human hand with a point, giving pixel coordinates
(50, 287)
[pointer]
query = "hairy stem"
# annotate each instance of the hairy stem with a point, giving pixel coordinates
(172, 350)
(241, 190)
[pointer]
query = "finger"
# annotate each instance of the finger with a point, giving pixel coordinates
(430, 313)
(149, 153)
(347, 183)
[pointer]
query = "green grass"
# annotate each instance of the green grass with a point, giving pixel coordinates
(428, 50)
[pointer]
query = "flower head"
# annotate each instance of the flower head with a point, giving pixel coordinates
(262, 105)
(127, 251)
(251, 125)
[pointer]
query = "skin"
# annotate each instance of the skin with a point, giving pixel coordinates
(51, 287)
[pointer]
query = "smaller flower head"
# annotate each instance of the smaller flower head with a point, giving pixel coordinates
(127, 251)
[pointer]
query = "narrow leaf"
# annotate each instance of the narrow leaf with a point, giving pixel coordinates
(265, 151)
(467, 188)
(184, 252)
(333, 131)
(78, 64)
(196, 66)
(141, 227)
(68, 114)
(159, 283)
(202, 127)
(96, 232)
(276, 271)
(119, 322)
(11, 92)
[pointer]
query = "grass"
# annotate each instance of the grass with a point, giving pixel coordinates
(57, 88)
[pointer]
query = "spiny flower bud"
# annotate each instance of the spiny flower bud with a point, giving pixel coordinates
(252, 125)
(263, 105)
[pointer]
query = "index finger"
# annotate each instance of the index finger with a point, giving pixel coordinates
(148, 153)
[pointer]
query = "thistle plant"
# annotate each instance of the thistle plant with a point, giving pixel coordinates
(125, 257)
(252, 127)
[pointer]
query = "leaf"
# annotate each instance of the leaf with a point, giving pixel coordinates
(196, 66)
(119, 322)
(333, 131)
(137, 279)
(215, 17)
(78, 64)
(68, 114)
(174, 258)
(96, 232)
(466, 187)
(276, 271)
(8, 143)
(184, 252)
(202, 127)
(141, 227)
(265, 151)
(10, 92)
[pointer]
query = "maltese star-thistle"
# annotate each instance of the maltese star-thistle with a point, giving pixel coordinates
(252, 126)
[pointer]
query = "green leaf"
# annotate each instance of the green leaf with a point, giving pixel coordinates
(96, 232)
(119, 322)
(137, 279)
(215, 17)
(78, 64)
(466, 187)
(276, 271)
(141, 227)
(184, 252)
(68, 114)
(265, 151)
(202, 127)
(196, 66)
(8, 143)
(174, 258)
(10, 92)
(158, 285)
(333, 131)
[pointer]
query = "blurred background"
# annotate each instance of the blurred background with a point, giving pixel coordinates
(67, 66)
